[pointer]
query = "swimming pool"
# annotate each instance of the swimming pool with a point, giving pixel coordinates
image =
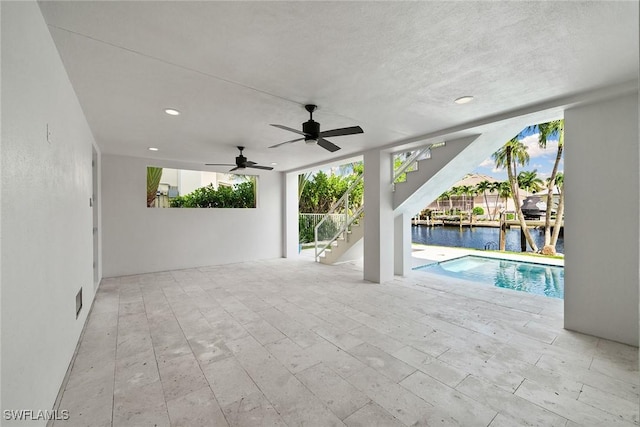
(540, 279)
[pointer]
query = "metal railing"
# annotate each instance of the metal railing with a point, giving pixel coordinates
(312, 219)
(411, 163)
(337, 221)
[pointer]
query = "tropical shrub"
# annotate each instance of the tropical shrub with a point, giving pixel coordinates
(241, 195)
(306, 229)
(322, 191)
(319, 192)
(478, 211)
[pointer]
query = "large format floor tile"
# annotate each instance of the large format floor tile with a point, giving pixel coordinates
(296, 343)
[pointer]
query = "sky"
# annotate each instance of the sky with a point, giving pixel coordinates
(540, 159)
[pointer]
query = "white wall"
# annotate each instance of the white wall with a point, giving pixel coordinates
(47, 247)
(602, 233)
(138, 239)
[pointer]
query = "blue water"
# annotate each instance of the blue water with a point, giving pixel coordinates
(476, 237)
(540, 279)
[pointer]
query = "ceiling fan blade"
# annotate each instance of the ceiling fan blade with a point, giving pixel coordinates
(235, 169)
(330, 146)
(286, 142)
(290, 129)
(342, 131)
(248, 163)
(219, 164)
(267, 168)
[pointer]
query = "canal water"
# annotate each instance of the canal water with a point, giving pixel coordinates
(476, 237)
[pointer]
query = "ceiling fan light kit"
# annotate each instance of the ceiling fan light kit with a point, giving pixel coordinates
(312, 135)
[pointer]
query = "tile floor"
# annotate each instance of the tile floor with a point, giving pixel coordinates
(293, 343)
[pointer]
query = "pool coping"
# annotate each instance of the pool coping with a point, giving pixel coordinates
(428, 254)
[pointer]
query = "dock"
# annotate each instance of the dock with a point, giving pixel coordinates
(494, 224)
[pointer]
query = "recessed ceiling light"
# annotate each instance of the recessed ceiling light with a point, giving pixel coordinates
(153, 149)
(172, 112)
(273, 163)
(464, 100)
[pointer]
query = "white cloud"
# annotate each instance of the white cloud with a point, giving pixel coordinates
(535, 150)
(489, 162)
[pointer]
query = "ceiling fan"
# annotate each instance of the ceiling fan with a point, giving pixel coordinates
(241, 163)
(312, 135)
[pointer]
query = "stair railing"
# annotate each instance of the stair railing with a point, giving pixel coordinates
(420, 154)
(349, 218)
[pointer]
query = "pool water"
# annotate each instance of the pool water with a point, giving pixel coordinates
(540, 279)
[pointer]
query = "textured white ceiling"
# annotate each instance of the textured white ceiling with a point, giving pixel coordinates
(393, 68)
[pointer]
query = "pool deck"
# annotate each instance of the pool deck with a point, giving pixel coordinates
(292, 342)
(425, 254)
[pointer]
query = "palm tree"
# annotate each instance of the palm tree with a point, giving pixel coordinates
(483, 186)
(468, 190)
(545, 131)
(514, 153)
(530, 181)
(447, 196)
(444, 196)
(494, 186)
(456, 191)
(504, 192)
(559, 183)
(303, 179)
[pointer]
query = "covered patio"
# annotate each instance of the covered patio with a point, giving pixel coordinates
(293, 342)
(125, 315)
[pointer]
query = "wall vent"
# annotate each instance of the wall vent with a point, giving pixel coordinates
(78, 302)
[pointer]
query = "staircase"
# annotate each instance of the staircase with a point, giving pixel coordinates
(340, 240)
(429, 171)
(434, 169)
(345, 249)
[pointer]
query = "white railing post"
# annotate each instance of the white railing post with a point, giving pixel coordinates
(315, 239)
(346, 216)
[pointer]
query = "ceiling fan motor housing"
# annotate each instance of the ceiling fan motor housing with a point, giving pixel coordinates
(311, 128)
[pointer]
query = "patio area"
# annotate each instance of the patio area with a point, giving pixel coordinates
(293, 342)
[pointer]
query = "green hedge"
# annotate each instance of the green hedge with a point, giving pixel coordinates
(327, 230)
(478, 211)
(239, 196)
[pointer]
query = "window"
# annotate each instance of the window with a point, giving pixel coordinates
(179, 188)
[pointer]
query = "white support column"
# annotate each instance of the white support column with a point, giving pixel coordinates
(601, 238)
(378, 217)
(290, 240)
(402, 244)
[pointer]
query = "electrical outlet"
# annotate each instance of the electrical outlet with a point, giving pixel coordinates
(49, 134)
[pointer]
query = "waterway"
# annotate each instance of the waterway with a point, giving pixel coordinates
(475, 237)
